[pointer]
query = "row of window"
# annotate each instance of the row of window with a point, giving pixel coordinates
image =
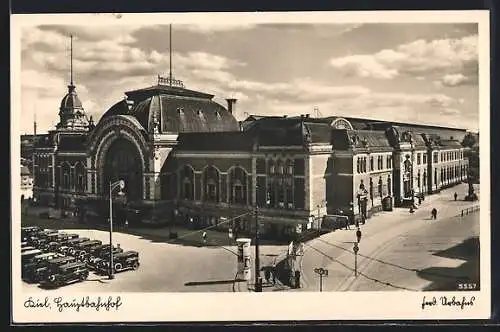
(280, 166)
(361, 164)
(451, 155)
(421, 158)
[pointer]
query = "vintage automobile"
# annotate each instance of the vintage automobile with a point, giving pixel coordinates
(64, 274)
(50, 247)
(27, 248)
(83, 250)
(28, 231)
(43, 238)
(63, 250)
(29, 268)
(44, 267)
(64, 238)
(102, 251)
(24, 245)
(80, 248)
(74, 242)
(28, 255)
(121, 262)
(94, 263)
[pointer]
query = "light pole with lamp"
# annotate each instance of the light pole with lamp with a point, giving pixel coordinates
(112, 186)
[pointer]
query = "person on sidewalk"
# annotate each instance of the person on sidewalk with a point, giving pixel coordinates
(347, 222)
(297, 279)
(455, 196)
(411, 209)
(434, 214)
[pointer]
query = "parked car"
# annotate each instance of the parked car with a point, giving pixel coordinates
(30, 267)
(80, 248)
(27, 248)
(44, 237)
(24, 244)
(64, 238)
(48, 265)
(95, 263)
(102, 251)
(28, 231)
(62, 275)
(50, 247)
(123, 261)
(28, 255)
(63, 250)
(72, 243)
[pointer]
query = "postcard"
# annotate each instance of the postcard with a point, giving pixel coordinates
(250, 166)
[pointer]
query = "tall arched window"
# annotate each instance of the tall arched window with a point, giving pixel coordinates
(187, 183)
(65, 175)
(211, 184)
(80, 177)
(238, 186)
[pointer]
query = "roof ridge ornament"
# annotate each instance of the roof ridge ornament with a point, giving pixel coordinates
(170, 81)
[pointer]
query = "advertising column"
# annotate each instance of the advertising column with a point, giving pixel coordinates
(244, 266)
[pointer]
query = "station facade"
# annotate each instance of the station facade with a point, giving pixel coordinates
(185, 158)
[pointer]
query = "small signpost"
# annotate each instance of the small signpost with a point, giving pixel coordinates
(355, 249)
(322, 273)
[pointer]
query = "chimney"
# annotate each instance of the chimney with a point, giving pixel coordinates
(231, 102)
(307, 116)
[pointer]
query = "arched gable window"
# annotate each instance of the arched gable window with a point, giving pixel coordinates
(238, 185)
(211, 184)
(187, 183)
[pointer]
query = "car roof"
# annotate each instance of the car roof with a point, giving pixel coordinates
(61, 259)
(34, 251)
(127, 253)
(48, 254)
(70, 265)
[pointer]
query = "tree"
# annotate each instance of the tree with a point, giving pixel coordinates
(469, 140)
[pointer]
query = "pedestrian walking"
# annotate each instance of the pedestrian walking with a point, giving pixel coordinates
(347, 222)
(267, 274)
(297, 279)
(204, 236)
(274, 272)
(419, 200)
(411, 209)
(434, 213)
(455, 196)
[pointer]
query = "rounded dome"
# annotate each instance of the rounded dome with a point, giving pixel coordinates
(71, 101)
(175, 110)
(25, 171)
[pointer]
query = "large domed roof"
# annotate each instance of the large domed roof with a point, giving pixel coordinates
(174, 109)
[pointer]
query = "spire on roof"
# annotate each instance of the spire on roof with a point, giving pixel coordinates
(170, 80)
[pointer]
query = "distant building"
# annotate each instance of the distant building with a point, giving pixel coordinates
(26, 183)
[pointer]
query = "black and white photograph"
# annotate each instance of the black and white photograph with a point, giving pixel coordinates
(309, 157)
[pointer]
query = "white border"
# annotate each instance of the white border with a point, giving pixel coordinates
(144, 307)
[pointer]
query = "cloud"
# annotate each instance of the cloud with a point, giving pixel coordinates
(211, 28)
(451, 80)
(416, 58)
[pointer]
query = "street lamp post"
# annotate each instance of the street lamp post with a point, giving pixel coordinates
(112, 185)
(258, 280)
(322, 273)
(356, 249)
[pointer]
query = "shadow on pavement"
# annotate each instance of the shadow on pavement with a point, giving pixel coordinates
(212, 282)
(447, 278)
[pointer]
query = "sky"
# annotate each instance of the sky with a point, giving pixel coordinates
(419, 72)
